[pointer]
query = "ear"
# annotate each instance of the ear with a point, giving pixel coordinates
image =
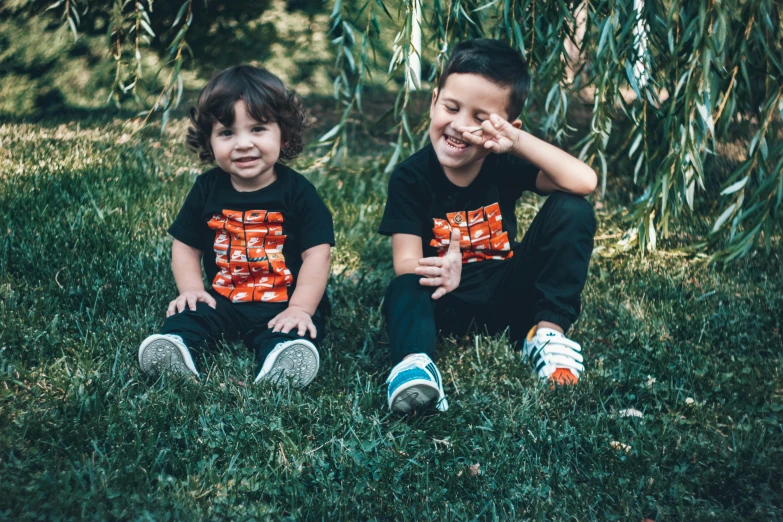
(517, 124)
(434, 99)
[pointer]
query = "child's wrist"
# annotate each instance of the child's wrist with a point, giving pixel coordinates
(187, 290)
(520, 144)
(301, 308)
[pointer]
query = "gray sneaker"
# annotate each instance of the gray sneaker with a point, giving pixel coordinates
(297, 360)
(166, 353)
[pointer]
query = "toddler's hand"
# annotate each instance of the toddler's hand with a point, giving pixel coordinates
(291, 318)
(496, 134)
(443, 272)
(189, 299)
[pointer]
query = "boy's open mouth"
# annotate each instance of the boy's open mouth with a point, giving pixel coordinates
(456, 143)
(246, 159)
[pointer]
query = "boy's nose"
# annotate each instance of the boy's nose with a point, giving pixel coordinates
(460, 121)
(242, 142)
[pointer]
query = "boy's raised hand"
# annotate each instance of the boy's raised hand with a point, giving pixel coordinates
(188, 300)
(444, 272)
(293, 318)
(495, 134)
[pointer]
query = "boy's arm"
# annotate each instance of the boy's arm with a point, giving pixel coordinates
(310, 287)
(186, 266)
(406, 253)
(559, 170)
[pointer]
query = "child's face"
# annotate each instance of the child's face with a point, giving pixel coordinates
(247, 150)
(465, 100)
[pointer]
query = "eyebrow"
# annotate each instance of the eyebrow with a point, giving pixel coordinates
(480, 111)
(255, 124)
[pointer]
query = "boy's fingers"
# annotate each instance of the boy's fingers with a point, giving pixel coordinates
(301, 330)
(210, 301)
(456, 235)
(429, 271)
(471, 137)
(430, 281)
(313, 331)
(288, 325)
(490, 128)
(440, 292)
(431, 261)
(497, 121)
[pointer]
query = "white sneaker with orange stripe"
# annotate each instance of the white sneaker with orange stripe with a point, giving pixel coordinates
(553, 355)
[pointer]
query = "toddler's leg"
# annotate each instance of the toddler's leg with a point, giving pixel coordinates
(280, 356)
(182, 333)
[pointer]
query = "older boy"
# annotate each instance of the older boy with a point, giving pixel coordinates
(450, 213)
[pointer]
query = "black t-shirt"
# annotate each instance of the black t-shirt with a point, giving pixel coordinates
(252, 242)
(423, 202)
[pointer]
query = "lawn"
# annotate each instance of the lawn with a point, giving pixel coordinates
(679, 416)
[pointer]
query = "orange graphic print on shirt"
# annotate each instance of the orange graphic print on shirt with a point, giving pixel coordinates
(481, 234)
(249, 253)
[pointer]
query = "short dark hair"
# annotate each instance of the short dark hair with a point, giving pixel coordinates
(267, 99)
(497, 62)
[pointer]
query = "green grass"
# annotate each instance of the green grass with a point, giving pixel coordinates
(84, 277)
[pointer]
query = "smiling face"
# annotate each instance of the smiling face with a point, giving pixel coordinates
(247, 149)
(464, 100)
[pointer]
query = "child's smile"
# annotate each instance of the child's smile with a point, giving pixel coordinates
(456, 143)
(465, 100)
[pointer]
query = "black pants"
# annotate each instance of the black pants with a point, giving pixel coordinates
(246, 321)
(543, 281)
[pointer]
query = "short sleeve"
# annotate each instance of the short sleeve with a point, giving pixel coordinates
(517, 175)
(315, 220)
(189, 227)
(405, 208)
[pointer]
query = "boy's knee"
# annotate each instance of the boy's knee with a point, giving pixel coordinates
(404, 282)
(404, 288)
(575, 209)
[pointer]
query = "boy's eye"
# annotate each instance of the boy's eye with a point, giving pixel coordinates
(480, 120)
(225, 132)
(258, 128)
(451, 109)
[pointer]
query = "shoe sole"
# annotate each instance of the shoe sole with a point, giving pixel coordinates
(162, 355)
(297, 362)
(414, 396)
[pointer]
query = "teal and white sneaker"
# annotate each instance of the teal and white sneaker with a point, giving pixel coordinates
(297, 359)
(414, 383)
(166, 353)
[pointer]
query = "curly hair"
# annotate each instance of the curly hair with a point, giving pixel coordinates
(267, 99)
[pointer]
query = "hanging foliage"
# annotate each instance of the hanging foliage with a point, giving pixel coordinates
(679, 71)
(668, 80)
